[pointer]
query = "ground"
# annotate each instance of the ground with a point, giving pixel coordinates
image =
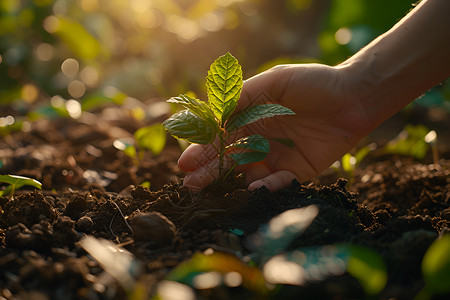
(396, 206)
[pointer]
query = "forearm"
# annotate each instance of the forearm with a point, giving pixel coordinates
(403, 63)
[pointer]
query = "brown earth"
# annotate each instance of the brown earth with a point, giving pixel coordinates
(396, 206)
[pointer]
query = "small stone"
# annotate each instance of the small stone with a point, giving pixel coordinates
(84, 224)
(153, 227)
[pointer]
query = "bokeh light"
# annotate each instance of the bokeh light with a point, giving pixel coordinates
(70, 67)
(44, 51)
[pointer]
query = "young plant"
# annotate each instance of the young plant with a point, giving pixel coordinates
(16, 182)
(213, 122)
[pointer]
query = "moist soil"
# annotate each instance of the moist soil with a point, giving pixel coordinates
(395, 205)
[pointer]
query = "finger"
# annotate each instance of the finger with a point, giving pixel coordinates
(205, 175)
(274, 181)
(256, 171)
(196, 156)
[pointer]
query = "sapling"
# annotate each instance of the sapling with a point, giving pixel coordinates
(214, 122)
(15, 182)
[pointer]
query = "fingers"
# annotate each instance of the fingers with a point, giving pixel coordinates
(196, 156)
(274, 181)
(206, 174)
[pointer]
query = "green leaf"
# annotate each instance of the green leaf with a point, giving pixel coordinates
(221, 263)
(254, 113)
(436, 265)
(152, 138)
(243, 158)
(196, 106)
(16, 182)
(82, 43)
(224, 85)
(187, 125)
(254, 142)
(368, 268)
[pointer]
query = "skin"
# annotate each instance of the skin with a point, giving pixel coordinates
(336, 106)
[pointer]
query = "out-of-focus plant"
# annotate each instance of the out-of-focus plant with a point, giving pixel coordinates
(15, 182)
(149, 138)
(436, 269)
(348, 163)
(414, 141)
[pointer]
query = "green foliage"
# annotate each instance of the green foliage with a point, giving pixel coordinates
(152, 138)
(219, 263)
(16, 182)
(367, 267)
(348, 163)
(413, 140)
(204, 122)
(224, 85)
(436, 266)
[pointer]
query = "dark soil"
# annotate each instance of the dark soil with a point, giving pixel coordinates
(396, 206)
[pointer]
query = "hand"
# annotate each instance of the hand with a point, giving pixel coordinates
(336, 106)
(327, 124)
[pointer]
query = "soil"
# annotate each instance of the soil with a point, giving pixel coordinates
(394, 205)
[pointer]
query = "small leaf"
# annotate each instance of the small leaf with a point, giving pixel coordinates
(221, 263)
(152, 138)
(436, 265)
(224, 85)
(254, 113)
(254, 142)
(367, 267)
(186, 125)
(243, 158)
(16, 182)
(196, 106)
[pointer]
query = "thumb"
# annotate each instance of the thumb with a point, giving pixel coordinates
(274, 181)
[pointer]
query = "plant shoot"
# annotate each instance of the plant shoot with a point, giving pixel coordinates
(214, 121)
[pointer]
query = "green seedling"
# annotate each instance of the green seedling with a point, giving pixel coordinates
(16, 182)
(414, 141)
(150, 138)
(348, 163)
(215, 121)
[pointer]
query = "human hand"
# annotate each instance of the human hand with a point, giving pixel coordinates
(327, 124)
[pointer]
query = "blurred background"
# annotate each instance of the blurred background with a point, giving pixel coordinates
(62, 57)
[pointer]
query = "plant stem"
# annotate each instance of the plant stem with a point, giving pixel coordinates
(221, 153)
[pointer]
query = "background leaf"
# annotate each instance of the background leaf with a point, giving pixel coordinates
(436, 265)
(186, 125)
(224, 85)
(16, 182)
(255, 113)
(152, 138)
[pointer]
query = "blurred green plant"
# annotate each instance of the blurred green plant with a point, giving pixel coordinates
(414, 141)
(348, 163)
(436, 269)
(15, 182)
(149, 138)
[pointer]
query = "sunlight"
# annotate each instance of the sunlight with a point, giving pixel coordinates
(29, 93)
(278, 270)
(44, 51)
(70, 67)
(76, 89)
(343, 36)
